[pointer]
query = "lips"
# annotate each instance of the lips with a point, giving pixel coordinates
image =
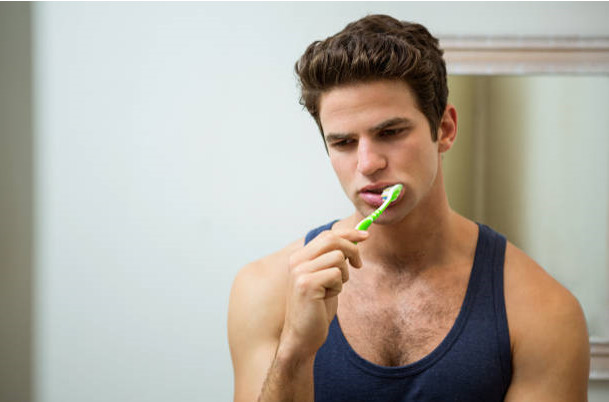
(371, 194)
(372, 199)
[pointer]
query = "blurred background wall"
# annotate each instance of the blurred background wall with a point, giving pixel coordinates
(148, 151)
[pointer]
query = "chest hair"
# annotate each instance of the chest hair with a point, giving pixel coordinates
(398, 325)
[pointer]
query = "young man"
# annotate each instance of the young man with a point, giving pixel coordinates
(424, 306)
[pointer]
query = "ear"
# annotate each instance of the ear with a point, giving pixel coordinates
(447, 132)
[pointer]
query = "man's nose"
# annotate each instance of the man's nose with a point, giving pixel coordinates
(370, 159)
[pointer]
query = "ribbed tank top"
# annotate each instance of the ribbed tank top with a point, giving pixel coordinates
(472, 363)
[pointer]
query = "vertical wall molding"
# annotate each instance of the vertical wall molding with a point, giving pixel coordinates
(16, 203)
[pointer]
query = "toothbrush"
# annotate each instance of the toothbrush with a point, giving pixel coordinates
(389, 195)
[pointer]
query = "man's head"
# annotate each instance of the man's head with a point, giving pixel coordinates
(377, 47)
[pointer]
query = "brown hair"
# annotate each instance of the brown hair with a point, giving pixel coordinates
(373, 48)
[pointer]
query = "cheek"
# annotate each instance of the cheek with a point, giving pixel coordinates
(429, 163)
(339, 166)
(417, 156)
(344, 172)
(341, 163)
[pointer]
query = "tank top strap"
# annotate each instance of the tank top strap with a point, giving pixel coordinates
(493, 252)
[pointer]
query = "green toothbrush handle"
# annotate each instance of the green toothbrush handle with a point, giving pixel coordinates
(367, 221)
(365, 224)
(389, 195)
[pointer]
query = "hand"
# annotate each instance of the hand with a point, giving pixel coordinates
(317, 274)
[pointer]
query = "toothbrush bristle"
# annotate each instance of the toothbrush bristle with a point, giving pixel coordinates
(392, 192)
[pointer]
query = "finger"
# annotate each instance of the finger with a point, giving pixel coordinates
(324, 242)
(332, 240)
(332, 259)
(331, 280)
(316, 285)
(349, 246)
(328, 241)
(351, 234)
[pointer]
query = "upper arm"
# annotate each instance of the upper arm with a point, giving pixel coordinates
(255, 320)
(250, 334)
(550, 347)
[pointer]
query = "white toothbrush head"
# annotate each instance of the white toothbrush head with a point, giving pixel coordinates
(392, 193)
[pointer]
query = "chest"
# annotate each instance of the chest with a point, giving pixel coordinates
(395, 326)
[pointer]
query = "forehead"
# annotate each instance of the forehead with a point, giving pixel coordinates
(351, 106)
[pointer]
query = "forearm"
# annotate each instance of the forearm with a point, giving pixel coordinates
(290, 378)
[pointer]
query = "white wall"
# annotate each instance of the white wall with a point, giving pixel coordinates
(171, 150)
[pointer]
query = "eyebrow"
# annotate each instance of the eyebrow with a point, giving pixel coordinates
(338, 137)
(379, 127)
(388, 123)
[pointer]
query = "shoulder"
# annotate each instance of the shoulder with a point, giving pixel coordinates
(547, 327)
(256, 305)
(255, 319)
(534, 297)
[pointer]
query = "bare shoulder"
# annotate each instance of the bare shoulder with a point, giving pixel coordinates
(534, 297)
(255, 319)
(548, 333)
(258, 291)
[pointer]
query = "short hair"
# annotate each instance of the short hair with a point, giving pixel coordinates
(373, 48)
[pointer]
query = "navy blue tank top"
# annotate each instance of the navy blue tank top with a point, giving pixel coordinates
(472, 363)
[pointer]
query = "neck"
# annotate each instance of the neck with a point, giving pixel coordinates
(426, 237)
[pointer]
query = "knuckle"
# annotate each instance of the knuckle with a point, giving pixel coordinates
(326, 234)
(345, 270)
(296, 272)
(338, 255)
(337, 274)
(337, 280)
(301, 284)
(293, 261)
(353, 253)
(330, 236)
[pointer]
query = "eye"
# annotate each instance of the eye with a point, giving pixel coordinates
(390, 132)
(342, 143)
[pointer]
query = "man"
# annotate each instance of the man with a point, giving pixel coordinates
(426, 305)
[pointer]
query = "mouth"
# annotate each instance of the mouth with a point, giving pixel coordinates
(375, 188)
(371, 194)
